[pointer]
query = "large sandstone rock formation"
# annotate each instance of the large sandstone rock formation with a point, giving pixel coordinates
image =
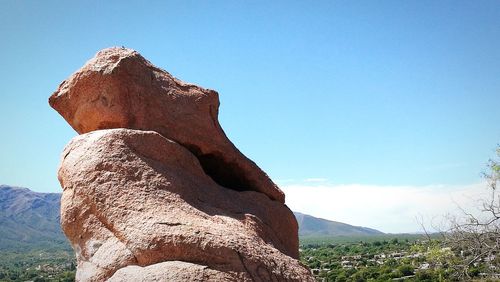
(154, 190)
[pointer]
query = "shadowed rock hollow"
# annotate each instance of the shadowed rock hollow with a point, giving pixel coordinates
(154, 191)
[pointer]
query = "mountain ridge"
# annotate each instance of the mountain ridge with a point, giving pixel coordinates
(314, 226)
(29, 218)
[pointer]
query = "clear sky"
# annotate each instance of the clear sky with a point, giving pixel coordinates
(360, 94)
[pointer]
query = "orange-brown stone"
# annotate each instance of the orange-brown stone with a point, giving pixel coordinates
(153, 190)
(137, 198)
(118, 88)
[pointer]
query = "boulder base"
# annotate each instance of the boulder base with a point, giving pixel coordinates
(137, 203)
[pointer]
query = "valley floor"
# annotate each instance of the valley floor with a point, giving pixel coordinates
(383, 258)
(369, 258)
(37, 265)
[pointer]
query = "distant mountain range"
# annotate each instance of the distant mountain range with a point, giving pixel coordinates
(313, 226)
(29, 219)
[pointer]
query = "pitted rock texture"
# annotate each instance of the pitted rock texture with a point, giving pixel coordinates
(153, 190)
(118, 88)
(177, 271)
(137, 198)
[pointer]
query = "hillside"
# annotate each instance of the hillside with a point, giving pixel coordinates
(29, 219)
(313, 226)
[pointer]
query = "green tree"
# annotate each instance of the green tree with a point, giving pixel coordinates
(405, 270)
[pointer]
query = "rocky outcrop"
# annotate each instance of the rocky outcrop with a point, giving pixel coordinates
(143, 202)
(118, 88)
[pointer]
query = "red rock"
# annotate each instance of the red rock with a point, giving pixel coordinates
(139, 206)
(155, 191)
(171, 271)
(118, 88)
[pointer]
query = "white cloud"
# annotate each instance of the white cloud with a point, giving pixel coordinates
(316, 179)
(393, 209)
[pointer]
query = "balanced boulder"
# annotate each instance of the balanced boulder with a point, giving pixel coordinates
(154, 191)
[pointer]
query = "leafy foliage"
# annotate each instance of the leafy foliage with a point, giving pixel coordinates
(415, 259)
(37, 265)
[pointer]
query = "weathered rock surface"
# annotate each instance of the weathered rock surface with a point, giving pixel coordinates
(153, 190)
(118, 88)
(177, 271)
(137, 198)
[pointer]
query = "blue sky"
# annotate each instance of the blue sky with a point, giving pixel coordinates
(373, 93)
